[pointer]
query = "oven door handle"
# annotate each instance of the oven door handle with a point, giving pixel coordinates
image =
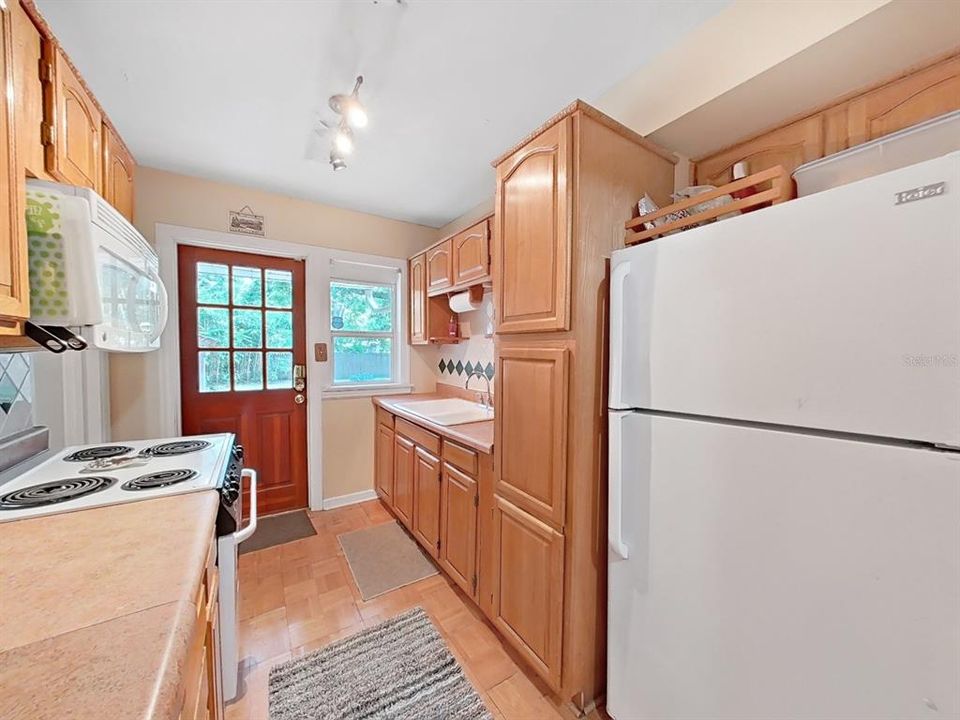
(240, 535)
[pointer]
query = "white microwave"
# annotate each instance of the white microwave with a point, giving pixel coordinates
(90, 269)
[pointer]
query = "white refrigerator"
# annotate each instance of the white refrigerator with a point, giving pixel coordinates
(784, 499)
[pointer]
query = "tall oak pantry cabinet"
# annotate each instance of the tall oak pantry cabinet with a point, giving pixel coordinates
(562, 197)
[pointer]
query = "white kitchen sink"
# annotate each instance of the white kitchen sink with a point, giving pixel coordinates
(450, 411)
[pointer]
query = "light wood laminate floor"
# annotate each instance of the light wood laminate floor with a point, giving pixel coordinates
(298, 597)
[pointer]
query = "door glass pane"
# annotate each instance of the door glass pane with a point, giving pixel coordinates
(279, 370)
(213, 327)
(361, 308)
(358, 359)
(247, 329)
(214, 371)
(248, 371)
(212, 284)
(247, 286)
(279, 329)
(279, 288)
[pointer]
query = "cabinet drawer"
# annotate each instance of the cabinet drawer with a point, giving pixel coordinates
(424, 438)
(460, 457)
(384, 418)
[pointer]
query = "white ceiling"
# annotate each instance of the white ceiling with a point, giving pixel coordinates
(230, 90)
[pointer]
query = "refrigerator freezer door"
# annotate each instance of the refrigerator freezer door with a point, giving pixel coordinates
(840, 311)
(781, 575)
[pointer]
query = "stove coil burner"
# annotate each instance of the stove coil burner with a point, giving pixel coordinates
(152, 481)
(55, 491)
(98, 453)
(177, 447)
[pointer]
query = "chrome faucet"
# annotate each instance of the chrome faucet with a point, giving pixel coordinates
(484, 398)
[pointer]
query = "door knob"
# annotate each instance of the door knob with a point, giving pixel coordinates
(299, 398)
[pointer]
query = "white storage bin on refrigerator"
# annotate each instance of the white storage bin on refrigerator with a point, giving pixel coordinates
(924, 141)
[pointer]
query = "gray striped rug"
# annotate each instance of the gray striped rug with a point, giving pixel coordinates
(400, 669)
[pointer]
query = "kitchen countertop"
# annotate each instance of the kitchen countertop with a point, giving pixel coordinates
(478, 435)
(96, 608)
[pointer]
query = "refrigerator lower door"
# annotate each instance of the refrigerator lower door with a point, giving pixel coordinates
(776, 575)
(838, 311)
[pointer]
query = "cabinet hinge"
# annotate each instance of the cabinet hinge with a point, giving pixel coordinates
(46, 70)
(474, 583)
(438, 546)
(48, 135)
(476, 501)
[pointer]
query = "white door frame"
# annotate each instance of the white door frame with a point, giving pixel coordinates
(168, 238)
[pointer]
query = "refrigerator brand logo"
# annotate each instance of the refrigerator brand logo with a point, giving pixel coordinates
(921, 193)
(922, 360)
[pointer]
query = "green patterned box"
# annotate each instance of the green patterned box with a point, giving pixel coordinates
(49, 299)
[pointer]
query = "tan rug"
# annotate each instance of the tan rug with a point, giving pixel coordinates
(384, 558)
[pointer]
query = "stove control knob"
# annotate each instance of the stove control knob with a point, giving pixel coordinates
(231, 495)
(238, 451)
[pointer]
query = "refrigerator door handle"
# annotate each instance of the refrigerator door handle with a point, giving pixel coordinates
(615, 492)
(617, 283)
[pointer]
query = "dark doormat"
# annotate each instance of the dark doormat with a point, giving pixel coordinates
(278, 529)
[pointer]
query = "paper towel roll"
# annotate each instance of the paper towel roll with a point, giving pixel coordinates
(461, 302)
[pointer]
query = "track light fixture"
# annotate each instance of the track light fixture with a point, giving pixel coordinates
(352, 115)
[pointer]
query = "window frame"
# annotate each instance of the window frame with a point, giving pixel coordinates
(393, 335)
(357, 269)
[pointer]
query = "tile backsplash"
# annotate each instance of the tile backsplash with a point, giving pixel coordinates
(16, 394)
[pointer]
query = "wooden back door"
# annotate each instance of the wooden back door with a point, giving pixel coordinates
(242, 362)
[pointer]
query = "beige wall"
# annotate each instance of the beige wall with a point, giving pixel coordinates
(162, 197)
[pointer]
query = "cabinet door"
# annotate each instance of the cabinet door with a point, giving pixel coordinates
(458, 528)
(898, 105)
(471, 254)
(28, 91)
(118, 169)
(403, 468)
(383, 463)
(75, 155)
(533, 234)
(440, 266)
(790, 146)
(528, 588)
(14, 281)
(426, 498)
(530, 430)
(418, 301)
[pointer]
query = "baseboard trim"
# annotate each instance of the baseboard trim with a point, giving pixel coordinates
(351, 499)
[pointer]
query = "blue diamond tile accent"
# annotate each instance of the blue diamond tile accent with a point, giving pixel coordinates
(442, 365)
(459, 367)
(469, 368)
(488, 371)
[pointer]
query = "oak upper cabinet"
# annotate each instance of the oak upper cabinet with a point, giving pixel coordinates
(418, 300)
(530, 431)
(533, 234)
(897, 105)
(528, 587)
(458, 527)
(14, 281)
(74, 153)
(28, 91)
(439, 261)
(471, 254)
(426, 511)
(404, 456)
(383, 462)
(118, 169)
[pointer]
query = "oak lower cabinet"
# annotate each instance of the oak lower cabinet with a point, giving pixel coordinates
(528, 587)
(426, 506)
(383, 462)
(404, 459)
(459, 501)
(202, 690)
(562, 197)
(14, 279)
